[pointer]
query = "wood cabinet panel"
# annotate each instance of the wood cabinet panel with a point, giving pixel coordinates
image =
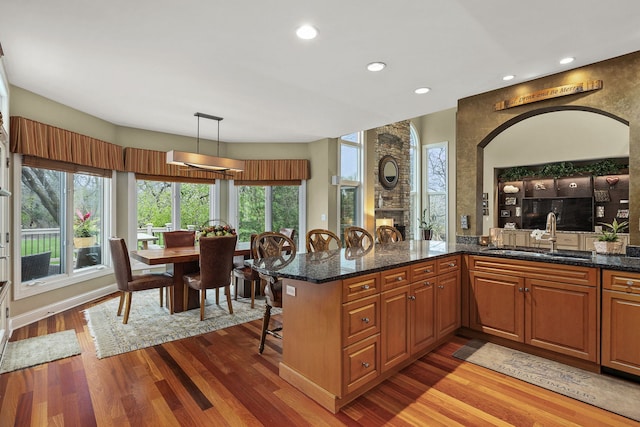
(621, 281)
(562, 317)
(422, 271)
(361, 319)
(423, 319)
(395, 327)
(497, 305)
(447, 303)
(620, 332)
(394, 278)
(360, 286)
(587, 276)
(448, 264)
(360, 363)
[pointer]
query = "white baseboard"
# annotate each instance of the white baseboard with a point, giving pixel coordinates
(46, 311)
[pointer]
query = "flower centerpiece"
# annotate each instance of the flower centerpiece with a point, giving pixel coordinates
(217, 230)
(85, 230)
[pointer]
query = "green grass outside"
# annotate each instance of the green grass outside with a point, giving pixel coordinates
(36, 246)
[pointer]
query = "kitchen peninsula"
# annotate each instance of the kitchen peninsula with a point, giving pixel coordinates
(352, 320)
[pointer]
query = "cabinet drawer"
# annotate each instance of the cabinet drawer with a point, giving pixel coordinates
(621, 281)
(422, 270)
(360, 286)
(360, 363)
(394, 278)
(448, 264)
(360, 319)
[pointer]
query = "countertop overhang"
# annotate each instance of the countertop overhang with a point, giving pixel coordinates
(339, 264)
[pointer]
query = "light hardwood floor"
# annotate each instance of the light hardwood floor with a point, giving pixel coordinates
(220, 379)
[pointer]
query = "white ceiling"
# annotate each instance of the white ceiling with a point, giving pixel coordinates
(151, 64)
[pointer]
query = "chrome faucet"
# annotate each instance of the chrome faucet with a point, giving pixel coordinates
(551, 231)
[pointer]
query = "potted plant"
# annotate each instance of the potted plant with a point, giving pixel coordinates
(607, 242)
(426, 225)
(85, 230)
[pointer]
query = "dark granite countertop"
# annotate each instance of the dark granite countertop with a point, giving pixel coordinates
(338, 264)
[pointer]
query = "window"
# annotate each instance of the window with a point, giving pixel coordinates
(350, 188)
(162, 204)
(65, 220)
(436, 188)
(268, 208)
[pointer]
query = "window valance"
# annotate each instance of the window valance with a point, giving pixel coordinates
(267, 172)
(36, 139)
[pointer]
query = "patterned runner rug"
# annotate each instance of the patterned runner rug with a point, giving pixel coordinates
(37, 350)
(149, 324)
(606, 392)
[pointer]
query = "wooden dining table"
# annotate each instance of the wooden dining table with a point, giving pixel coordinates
(179, 256)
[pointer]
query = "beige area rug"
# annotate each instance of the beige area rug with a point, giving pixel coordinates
(38, 350)
(606, 392)
(149, 324)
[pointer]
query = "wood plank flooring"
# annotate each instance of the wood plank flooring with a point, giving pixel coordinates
(220, 379)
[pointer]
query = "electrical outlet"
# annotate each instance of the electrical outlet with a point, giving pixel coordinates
(291, 290)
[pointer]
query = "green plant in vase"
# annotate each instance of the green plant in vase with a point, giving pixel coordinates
(85, 229)
(608, 239)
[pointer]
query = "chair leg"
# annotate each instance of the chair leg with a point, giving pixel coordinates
(121, 303)
(217, 296)
(161, 295)
(127, 307)
(253, 292)
(227, 292)
(202, 298)
(236, 285)
(171, 298)
(185, 297)
(265, 326)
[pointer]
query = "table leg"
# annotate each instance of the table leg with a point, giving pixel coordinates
(178, 291)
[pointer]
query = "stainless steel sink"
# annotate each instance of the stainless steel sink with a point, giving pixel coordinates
(534, 253)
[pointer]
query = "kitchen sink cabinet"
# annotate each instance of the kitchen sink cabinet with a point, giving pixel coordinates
(620, 317)
(544, 305)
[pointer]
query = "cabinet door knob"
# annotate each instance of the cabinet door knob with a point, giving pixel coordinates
(452, 264)
(520, 289)
(399, 278)
(365, 319)
(526, 289)
(427, 270)
(411, 297)
(629, 282)
(365, 287)
(427, 283)
(365, 364)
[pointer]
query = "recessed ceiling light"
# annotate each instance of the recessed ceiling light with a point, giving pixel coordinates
(376, 66)
(567, 60)
(508, 77)
(422, 90)
(306, 32)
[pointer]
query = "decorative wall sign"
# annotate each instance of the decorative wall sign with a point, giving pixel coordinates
(505, 213)
(552, 92)
(510, 200)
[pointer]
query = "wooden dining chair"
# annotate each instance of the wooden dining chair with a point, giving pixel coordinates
(289, 232)
(128, 283)
(320, 239)
(280, 250)
(387, 234)
(176, 239)
(357, 237)
(216, 263)
(247, 274)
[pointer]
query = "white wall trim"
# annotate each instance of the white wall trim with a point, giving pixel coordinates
(46, 311)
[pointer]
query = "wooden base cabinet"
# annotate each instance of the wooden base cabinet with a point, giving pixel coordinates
(549, 306)
(620, 320)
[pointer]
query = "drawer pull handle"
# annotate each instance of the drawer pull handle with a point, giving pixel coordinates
(399, 278)
(440, 286)
(427, 270)
(427, 283)
(365, 287)
(365, 319)
(365, 364)
(412, 297)
(452, 264)
(629, 282)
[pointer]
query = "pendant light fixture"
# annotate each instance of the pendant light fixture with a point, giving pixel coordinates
(203, 161)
